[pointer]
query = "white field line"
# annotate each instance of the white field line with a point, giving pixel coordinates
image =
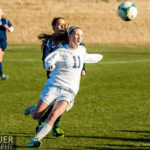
(18, 47)
(108, 62)
(125, 61)
(23, 60)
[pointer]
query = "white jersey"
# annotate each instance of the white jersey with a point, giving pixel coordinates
(68, 64)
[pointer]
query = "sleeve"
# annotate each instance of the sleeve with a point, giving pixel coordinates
(51, 59)
(83, 67)
(8, 23)
(46, 52)
(3, 22)
(92, 58)
(47, 49)
(82, 44)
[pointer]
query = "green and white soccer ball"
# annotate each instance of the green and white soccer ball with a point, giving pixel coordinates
(127, 11)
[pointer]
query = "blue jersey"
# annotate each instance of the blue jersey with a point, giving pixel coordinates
(48, 48)
(4, 21)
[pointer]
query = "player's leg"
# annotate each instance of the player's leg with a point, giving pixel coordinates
(1, 59)
(69, 96)
(36, 111)
(59, 108)
(29, 110)
(3, 77)
(56, 130)
(43, 118)
(47, 97)
(39, 110)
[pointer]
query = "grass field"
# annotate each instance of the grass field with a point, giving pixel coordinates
(111, 110)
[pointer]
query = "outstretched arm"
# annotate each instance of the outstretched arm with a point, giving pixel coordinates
(92, 58)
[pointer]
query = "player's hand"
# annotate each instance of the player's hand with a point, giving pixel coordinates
(83, 73)
(10, 29)
(51, 68)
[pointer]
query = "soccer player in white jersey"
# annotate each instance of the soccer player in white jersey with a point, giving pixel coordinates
(49, 46)
(5, 25)
(66, 64)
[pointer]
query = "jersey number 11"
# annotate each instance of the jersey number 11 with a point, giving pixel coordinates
(76, 60)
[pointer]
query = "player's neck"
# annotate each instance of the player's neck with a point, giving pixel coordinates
(73, 46)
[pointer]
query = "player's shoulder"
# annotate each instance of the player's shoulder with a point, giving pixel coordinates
(82, 44)
(63, 50)
(82, 47)
(4, 19)
(48, 42)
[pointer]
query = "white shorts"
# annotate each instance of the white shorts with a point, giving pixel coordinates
(52, 94)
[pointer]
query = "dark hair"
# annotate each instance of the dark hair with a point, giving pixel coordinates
(54, 21)
(44, 37)
(60, 38)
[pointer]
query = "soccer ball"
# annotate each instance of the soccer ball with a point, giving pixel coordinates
(127, 11)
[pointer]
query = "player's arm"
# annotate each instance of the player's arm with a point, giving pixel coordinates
(46, 52)
(10, 29)
(8, 26)
(92, 58)
(51, 60)
(83, 72)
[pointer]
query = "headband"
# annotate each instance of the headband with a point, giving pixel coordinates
(72, 28)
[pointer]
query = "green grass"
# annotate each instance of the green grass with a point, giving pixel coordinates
(111, 110)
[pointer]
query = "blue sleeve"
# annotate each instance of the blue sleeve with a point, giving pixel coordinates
(5, 21)
(84, 63)
(46, 52)
(82, 44)
(9, 24)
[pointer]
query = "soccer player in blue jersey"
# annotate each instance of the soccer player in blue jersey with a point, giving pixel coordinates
(5, 25)
(48, 46)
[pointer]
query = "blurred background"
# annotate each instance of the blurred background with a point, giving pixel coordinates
(98, 18)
